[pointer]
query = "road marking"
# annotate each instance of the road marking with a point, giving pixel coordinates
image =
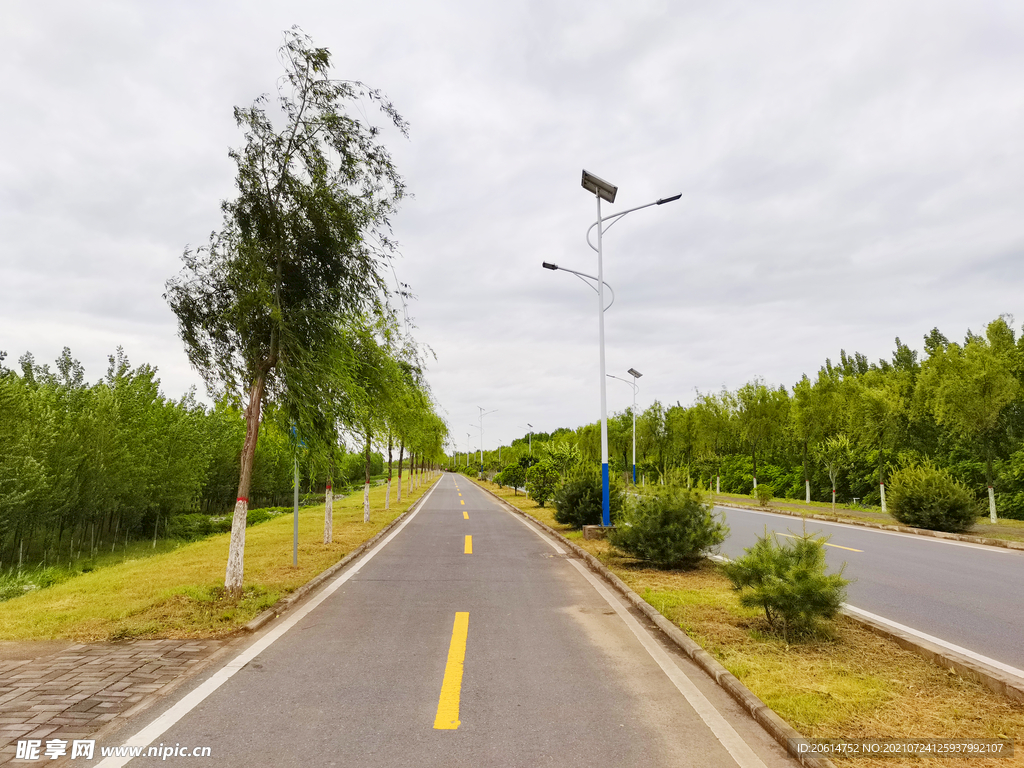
(867, 529)
(932, 639)
(791, 536)
(469, 545)
(713, 719)
(190, 701)
(460, 494)
(465, 515)
(447, 718)
(463, 503)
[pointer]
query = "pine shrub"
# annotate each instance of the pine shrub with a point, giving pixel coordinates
(789, 582)
(765, 493)
(925, 496)
(669, 526)
(578, 501)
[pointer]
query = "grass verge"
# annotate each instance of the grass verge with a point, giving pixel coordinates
(854, 685)
(180, 593)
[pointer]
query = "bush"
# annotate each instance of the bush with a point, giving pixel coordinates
(765, 493)
(789, 582)
(669, 526)
(927, 497)
(541, 481)
(578, 501)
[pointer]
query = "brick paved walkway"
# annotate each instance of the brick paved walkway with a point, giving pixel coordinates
(75, 692)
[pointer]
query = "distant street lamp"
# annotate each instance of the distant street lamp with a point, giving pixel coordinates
(602, 190)
(482, 414)
(528, 424)
(636, 375)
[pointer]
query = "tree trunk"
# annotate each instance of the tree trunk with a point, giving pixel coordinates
(328, 513)
(387, 492)
(236, 550)
(754, 456)
(366, 485)
(881, 477)
(807, 475)
(401, 457)
(991, 491)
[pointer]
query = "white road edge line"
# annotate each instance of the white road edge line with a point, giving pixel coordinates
(866, 529)
(1019, 673)
(725, 733)
(161, 724)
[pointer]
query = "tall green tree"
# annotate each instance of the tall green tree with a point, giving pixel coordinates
(763, 414)
(969, 388)
(263, 306)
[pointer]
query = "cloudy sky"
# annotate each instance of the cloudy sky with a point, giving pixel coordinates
(850, 172)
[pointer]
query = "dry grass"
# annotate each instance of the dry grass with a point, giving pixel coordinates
(853, 685)
(180, 593)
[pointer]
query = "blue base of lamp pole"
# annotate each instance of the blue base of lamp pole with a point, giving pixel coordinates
(606, 505)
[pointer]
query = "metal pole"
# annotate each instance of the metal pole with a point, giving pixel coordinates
(606, 517)
(295, 534)
(634, 433)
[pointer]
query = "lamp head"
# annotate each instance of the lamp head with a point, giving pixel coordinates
(634, 373)
(669, 199)
(549, 265)
(599, 187)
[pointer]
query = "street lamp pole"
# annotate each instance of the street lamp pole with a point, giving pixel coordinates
(636, 375)
(604, 191)
(482, 414)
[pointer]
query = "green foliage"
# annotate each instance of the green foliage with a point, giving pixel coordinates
(514, 476)
(925, 496)
(578, 500)
(669, 526)
(541, 480)
(788, 580)
(765, 493)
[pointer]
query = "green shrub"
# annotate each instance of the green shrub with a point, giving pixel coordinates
(765, 493)
(789, 582)
(669, 526)
(927, 497)
(541, 481)
(578, 501)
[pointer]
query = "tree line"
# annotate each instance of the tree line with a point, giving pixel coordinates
(86, 466)
(960, 407)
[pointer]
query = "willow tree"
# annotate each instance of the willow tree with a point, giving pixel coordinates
(263, 307)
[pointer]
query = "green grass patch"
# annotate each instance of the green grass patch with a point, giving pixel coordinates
(179, 592)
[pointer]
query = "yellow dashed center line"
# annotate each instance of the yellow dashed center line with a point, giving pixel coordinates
(463, 503)
(447, 718)
(465, 515)
(848, 549)
(469, 546)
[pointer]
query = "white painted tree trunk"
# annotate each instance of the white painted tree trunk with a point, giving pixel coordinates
(807, 488)
(833, 500)
(718, 483)
(755, 482)
(992, 504)
(399, 494)
(387, 496)
(236, 549)
(881, 489)
(328, 515)
(366, 502)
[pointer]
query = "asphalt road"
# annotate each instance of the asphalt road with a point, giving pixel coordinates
(443, 651)
(966, 594)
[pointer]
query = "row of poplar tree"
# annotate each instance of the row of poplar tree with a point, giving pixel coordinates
(85, 466)
(959, 406)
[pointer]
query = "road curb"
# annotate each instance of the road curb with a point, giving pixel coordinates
(994, 679)
(1005, 544)
(779, 729)
(286, 603)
